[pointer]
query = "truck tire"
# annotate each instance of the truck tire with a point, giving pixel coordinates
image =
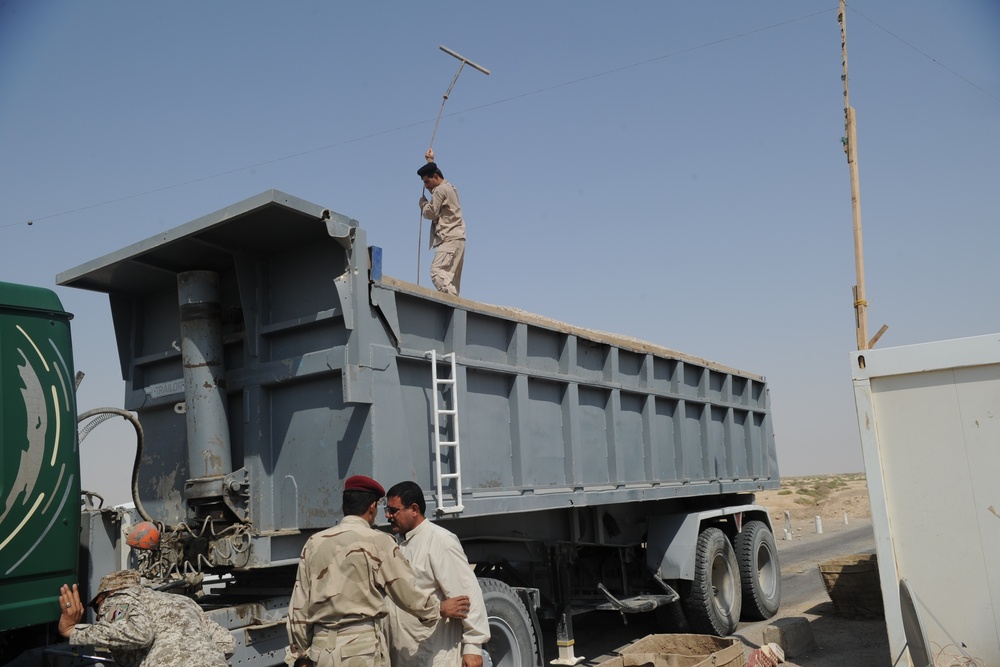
(712, 600)
(512, 637)
(760, 572)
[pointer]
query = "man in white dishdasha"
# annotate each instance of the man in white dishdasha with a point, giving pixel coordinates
(439, 561)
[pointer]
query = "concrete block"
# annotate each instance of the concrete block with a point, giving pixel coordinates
(793, 634)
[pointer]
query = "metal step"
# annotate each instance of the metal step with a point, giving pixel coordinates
(638, 603)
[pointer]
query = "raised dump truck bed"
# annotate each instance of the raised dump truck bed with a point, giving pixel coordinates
(269, 359)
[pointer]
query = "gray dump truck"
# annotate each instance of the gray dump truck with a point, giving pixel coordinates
(267, 358)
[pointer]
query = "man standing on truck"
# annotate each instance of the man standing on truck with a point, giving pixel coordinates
(447, 227)
(439, 561)
(145, 628)
(338, 603)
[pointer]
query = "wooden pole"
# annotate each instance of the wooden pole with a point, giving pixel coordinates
(851, 148)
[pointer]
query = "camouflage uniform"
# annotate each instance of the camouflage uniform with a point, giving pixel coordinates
(153, 629)
(338, 604)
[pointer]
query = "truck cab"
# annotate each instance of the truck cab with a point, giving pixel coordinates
(39, 464)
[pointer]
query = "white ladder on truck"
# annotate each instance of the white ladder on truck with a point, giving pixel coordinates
(438, 387)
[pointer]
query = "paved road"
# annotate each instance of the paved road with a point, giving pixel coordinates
(839, 641)
(800, 557)
(600, 634)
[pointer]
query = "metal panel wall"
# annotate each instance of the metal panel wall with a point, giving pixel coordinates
(929, 434)
(575, 415)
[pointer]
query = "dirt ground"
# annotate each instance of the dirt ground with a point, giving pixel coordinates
(839, 641)
(828, 496)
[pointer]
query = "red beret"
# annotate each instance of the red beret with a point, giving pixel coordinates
(362, 483)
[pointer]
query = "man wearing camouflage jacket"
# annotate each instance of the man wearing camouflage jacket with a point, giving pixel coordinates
(145, 628)
(338, 606)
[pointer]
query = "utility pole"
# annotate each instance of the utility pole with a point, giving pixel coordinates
(851, 148)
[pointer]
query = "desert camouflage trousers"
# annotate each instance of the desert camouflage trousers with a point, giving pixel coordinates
(361, 645)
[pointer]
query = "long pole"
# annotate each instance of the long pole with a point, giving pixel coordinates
(420, 227)
(851, 148)
(465, 61)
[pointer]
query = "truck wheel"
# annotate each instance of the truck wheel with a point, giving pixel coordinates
(713, 598)
(760, 573)
(512, 638)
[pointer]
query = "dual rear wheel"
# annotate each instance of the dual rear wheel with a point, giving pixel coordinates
(732, 583)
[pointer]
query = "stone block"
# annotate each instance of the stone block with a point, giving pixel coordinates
(793, 634)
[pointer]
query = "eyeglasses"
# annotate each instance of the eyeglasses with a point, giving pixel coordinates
(391, 511)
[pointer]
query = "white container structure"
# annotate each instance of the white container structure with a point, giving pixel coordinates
(929, 417)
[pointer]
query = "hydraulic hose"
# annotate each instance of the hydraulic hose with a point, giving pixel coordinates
(103, 414)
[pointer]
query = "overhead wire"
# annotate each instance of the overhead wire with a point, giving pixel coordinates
(505, 100)
(925, 55)
(216, 175)
(409, 125)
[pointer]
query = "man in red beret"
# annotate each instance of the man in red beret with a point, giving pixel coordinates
(338, 603)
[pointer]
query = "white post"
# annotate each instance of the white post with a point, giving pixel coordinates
(819, 525)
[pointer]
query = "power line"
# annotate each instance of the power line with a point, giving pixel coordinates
(925, 55)
(215, 175)
(532, 93)
(422, 122)
(650, 60)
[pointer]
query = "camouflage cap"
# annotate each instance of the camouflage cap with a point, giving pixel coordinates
(116, 581)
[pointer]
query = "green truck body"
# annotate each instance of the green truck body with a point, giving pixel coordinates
(39, 457)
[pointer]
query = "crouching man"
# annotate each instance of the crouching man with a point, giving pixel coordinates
(145, 628)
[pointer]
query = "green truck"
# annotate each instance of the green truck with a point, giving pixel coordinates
(39, 464)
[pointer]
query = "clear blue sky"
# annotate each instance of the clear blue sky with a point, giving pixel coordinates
(666, 170)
